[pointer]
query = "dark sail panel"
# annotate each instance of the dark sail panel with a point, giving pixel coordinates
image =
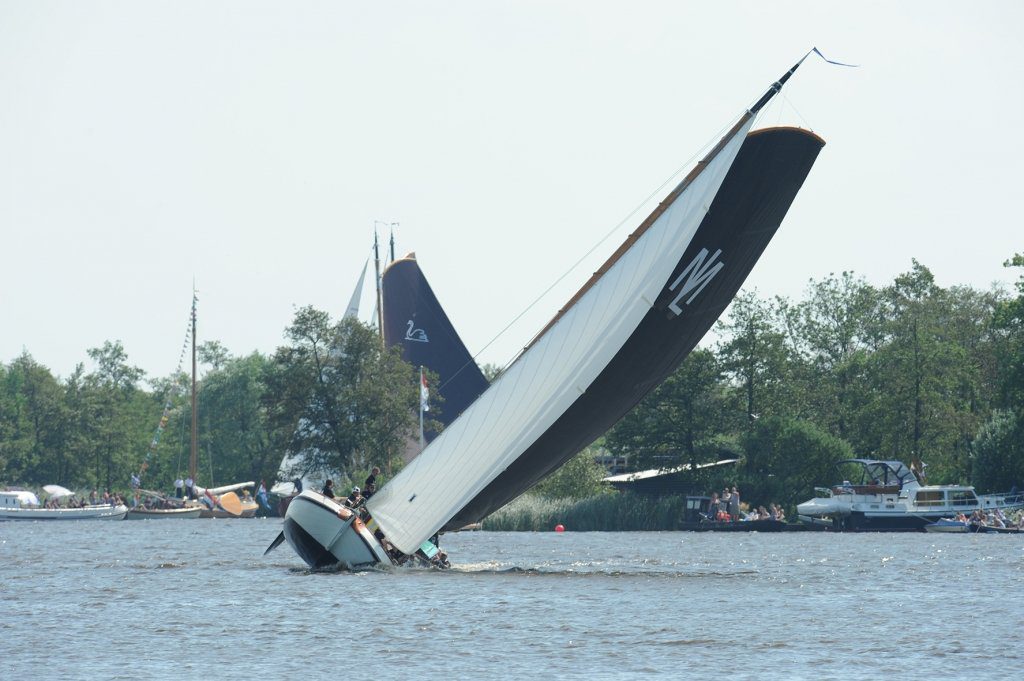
(753, 200)
(414, 319)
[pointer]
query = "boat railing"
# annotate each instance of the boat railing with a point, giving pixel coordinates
(823, 492)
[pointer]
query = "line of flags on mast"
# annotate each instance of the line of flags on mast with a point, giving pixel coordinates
(171, 391)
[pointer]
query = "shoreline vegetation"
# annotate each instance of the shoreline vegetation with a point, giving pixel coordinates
(906, 371)
(603, 513)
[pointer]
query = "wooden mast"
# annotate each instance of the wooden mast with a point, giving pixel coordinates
(380, 301)
(192, 451)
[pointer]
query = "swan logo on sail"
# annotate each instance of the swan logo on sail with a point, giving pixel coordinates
(697, 275)
(418, 335)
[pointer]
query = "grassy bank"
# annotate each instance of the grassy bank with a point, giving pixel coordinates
(605, 513)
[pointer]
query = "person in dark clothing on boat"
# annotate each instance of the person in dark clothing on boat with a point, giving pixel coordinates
(328, 490)
(370, 486)
(355, 498)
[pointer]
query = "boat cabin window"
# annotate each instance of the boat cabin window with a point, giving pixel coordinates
(963, 497)
(931, 497)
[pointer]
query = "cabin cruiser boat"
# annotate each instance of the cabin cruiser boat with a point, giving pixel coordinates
(24, 505)
(889, 496)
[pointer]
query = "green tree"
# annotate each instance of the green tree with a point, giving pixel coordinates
(921, 378)
(680, 420)
(33, 422)
(235, 429)
(757, 355)
(785, 458)
(116, 414)
(581, 477)
(344, 400)
(1008, 324)
(835, 333)
(999, 453)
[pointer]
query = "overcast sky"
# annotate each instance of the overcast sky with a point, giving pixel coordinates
(252, 146)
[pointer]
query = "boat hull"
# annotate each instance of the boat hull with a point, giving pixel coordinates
(87, 513)
(162, 513)
(327, 534)
(248, 511)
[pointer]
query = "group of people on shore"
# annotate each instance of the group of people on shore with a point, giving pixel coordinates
(728, 507)
(994, 518)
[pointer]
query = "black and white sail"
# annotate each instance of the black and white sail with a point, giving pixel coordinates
(415, 321)
(620, 336)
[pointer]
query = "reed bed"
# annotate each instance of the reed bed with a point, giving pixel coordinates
(603, 513)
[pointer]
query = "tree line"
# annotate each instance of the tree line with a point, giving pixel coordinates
(331, 392)
(905, 371)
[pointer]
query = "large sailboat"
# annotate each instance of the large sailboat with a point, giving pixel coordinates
(214, 502)
(622, 334)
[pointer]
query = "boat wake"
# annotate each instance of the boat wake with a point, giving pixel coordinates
(589, 571)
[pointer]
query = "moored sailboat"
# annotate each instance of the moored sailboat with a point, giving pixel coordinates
(617, 338)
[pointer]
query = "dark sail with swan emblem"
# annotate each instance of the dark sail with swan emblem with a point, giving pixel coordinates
(415, 320)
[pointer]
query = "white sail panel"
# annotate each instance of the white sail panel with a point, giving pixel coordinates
(537, 389)
(355, 302)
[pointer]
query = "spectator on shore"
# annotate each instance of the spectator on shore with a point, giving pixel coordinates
(734, 504)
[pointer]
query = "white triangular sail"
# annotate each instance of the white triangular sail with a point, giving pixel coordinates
(556, 369)
(354, 303)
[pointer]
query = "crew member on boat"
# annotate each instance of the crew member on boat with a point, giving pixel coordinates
(328, 490)
(355, 498)
(370, 486)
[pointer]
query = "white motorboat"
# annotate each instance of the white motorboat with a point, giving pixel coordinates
(617, 339)
(22, 505)
(888, 496)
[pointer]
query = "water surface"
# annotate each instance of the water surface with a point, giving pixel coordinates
(165, 598)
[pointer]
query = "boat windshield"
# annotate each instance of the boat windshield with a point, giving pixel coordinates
(873, 472)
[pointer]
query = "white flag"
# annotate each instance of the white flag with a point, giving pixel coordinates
(424, 393)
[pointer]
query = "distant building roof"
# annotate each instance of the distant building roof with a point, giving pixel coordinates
(657, 472)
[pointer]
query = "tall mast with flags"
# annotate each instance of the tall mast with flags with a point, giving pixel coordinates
(376, 267)
(192, 452)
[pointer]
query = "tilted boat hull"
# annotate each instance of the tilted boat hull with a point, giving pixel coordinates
(749, 207)
(326, 534)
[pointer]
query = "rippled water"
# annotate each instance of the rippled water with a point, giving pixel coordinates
(162, 599)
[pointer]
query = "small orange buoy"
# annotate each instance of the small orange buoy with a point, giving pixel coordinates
(559, 528)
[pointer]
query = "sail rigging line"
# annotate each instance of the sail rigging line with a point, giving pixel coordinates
(629, 216)
(172, 390)
(750, 114)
